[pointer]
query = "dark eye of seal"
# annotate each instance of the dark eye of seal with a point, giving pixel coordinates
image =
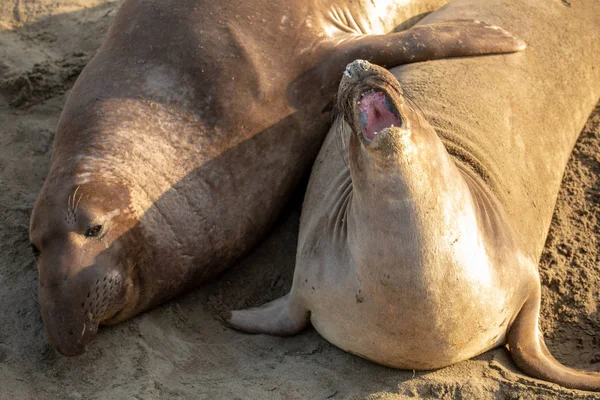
(94, 231)
(35, 250)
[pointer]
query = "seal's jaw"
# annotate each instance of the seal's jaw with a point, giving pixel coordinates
(376, 112)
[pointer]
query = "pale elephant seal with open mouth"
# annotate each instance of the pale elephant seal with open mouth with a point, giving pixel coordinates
(421, 233)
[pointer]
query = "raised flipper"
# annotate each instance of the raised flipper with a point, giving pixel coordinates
(530, 353)
(456, 38)
(281, 317)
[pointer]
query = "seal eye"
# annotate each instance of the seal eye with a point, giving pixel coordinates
(94, 231)
(35, 250)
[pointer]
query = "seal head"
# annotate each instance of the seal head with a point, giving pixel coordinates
(85, 277)
(381, 110)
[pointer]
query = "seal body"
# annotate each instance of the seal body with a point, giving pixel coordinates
(188, 130)
(427, 209)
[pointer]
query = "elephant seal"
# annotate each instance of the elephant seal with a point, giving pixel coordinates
(419, 241)
(188, 130)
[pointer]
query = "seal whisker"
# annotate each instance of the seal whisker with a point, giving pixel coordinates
(77, 205)
(75, 195)
(410, 100)
(341, 142)
(338, 115)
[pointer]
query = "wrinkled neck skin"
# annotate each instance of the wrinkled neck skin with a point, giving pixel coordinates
(440, 214)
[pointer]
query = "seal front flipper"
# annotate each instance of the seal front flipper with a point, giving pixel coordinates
(281, 317)
(530, 354)
(457, 38)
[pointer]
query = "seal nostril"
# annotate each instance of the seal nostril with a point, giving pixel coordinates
(361, 65)
(70, 331)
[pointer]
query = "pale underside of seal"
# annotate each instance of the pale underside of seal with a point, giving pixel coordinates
(184, 136)
(427, 212)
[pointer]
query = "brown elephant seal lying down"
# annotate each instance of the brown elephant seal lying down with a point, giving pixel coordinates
(420, 236)
(185, 134)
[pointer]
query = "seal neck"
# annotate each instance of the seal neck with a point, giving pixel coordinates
(407, 187)
(407, 165)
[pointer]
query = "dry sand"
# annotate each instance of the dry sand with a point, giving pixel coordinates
(181, 350)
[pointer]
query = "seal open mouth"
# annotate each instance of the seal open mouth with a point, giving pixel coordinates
(377, 112)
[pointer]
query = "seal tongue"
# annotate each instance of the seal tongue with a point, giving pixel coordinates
(376, 114)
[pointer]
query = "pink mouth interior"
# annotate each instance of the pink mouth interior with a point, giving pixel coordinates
(375, 115)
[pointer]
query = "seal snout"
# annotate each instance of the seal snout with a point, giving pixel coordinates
(73, 310)
(357, 70)
(70, 332)
(369, 98)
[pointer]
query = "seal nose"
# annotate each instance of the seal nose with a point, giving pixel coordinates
(357, 70)
(66, 331)
(72, 307)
